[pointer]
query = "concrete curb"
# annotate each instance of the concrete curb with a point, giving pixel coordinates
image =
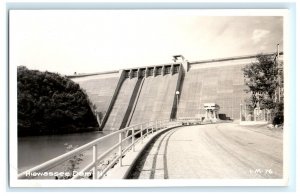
(131, 157)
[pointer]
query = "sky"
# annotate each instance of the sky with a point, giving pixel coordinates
(87, 41)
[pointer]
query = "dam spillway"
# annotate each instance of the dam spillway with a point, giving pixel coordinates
(118, 111)
(156, 98)
(132, 96)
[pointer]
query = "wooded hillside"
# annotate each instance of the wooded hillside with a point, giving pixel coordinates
(49, 103)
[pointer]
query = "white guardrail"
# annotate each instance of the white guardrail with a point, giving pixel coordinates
(129, 135)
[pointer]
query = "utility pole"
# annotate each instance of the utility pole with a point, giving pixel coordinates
(279, 79)
(279, 75)
(177, 101)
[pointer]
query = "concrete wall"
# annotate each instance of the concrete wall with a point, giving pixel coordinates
(100, 90)
(223, 85)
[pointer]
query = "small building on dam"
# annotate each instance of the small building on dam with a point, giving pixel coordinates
(174, 90)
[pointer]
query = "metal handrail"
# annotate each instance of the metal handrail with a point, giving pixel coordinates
(154, 126)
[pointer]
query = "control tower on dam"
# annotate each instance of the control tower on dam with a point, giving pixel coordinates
(168, 91)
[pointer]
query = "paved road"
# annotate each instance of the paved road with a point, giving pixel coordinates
(212, 151)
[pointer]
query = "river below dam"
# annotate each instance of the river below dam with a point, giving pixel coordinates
(34, 150)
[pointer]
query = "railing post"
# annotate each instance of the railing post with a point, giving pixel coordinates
(95, 172)
(147, 129)
(120, 149)
(142, 133)
(152, 129)
(132, 139)
(156, 125)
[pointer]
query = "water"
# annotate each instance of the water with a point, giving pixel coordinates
(35, 150)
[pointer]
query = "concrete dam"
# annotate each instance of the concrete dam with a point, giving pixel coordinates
(131, 96)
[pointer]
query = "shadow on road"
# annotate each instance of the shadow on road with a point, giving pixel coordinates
(153, 152)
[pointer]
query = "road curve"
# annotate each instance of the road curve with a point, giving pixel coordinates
(213, 151)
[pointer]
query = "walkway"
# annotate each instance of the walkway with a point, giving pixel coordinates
(212, 151)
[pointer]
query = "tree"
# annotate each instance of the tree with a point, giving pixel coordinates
(262, 81)
(49, 103)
